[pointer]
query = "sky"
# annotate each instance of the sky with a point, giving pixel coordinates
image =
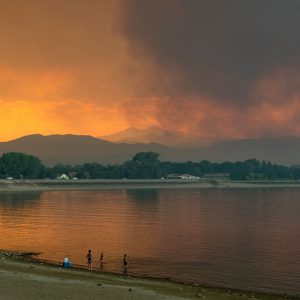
(210, 68)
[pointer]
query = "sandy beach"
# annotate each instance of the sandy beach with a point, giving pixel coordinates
(24, 278)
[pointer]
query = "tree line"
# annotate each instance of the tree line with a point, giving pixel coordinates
(143, 165)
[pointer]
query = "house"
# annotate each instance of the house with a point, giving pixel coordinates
(217, 176)
(63, 176)
(182, 176)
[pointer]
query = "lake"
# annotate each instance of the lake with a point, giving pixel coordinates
(236, 238)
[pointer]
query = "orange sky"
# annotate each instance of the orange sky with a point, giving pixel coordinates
(67, 67)
(61, 68)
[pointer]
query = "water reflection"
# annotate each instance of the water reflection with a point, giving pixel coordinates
(19, 198)
(18, 204)
(238, 238)
(142, 196)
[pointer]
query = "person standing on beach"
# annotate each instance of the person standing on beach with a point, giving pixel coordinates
(125, 265)
(89, 259)
(101, 261)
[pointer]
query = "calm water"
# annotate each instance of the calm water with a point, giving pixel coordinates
(246, 238)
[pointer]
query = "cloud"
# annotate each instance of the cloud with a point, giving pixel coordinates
(32, 85)
(211, 67)
(208, 118)
(21, 117)
(73, 37)
(46, 34)
(214, 48)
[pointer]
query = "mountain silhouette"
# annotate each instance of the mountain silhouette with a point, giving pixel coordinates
(77, 149)
(155, 134)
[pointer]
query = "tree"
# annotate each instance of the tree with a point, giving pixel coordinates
(21, 165)
(144, 165)
(205, 167)
(94, 170)
(146, 157)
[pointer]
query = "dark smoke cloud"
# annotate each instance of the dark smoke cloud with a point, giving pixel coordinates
(216, 48)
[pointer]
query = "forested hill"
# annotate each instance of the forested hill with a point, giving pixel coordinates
(79, 149)
(143, 165)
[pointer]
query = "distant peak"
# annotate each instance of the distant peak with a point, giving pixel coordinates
(132, 129)
(155, 127)
(30, 136)
(150, 128)
(38, 136)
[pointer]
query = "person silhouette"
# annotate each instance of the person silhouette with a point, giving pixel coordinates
(89, 259)
(125, 265)
(101, 261)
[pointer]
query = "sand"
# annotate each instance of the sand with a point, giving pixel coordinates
(24, 278)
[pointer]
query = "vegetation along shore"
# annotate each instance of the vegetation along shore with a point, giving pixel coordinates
(145, 165)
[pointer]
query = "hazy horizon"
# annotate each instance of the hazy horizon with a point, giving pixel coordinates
(146, 128)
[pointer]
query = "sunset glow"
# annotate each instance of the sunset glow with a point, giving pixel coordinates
(100, 67)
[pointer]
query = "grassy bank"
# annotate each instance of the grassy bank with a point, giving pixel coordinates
(41, 185)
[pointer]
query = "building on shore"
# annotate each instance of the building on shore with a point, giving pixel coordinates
(63, 176)
(182, 176)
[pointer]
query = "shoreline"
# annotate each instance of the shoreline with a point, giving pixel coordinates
(42, 185)
(106, 184)
(18, 265)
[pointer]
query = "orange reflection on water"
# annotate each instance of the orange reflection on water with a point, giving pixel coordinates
(237, 238)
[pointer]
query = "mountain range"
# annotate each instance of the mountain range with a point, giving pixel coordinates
(77, 149)
(155, 134)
